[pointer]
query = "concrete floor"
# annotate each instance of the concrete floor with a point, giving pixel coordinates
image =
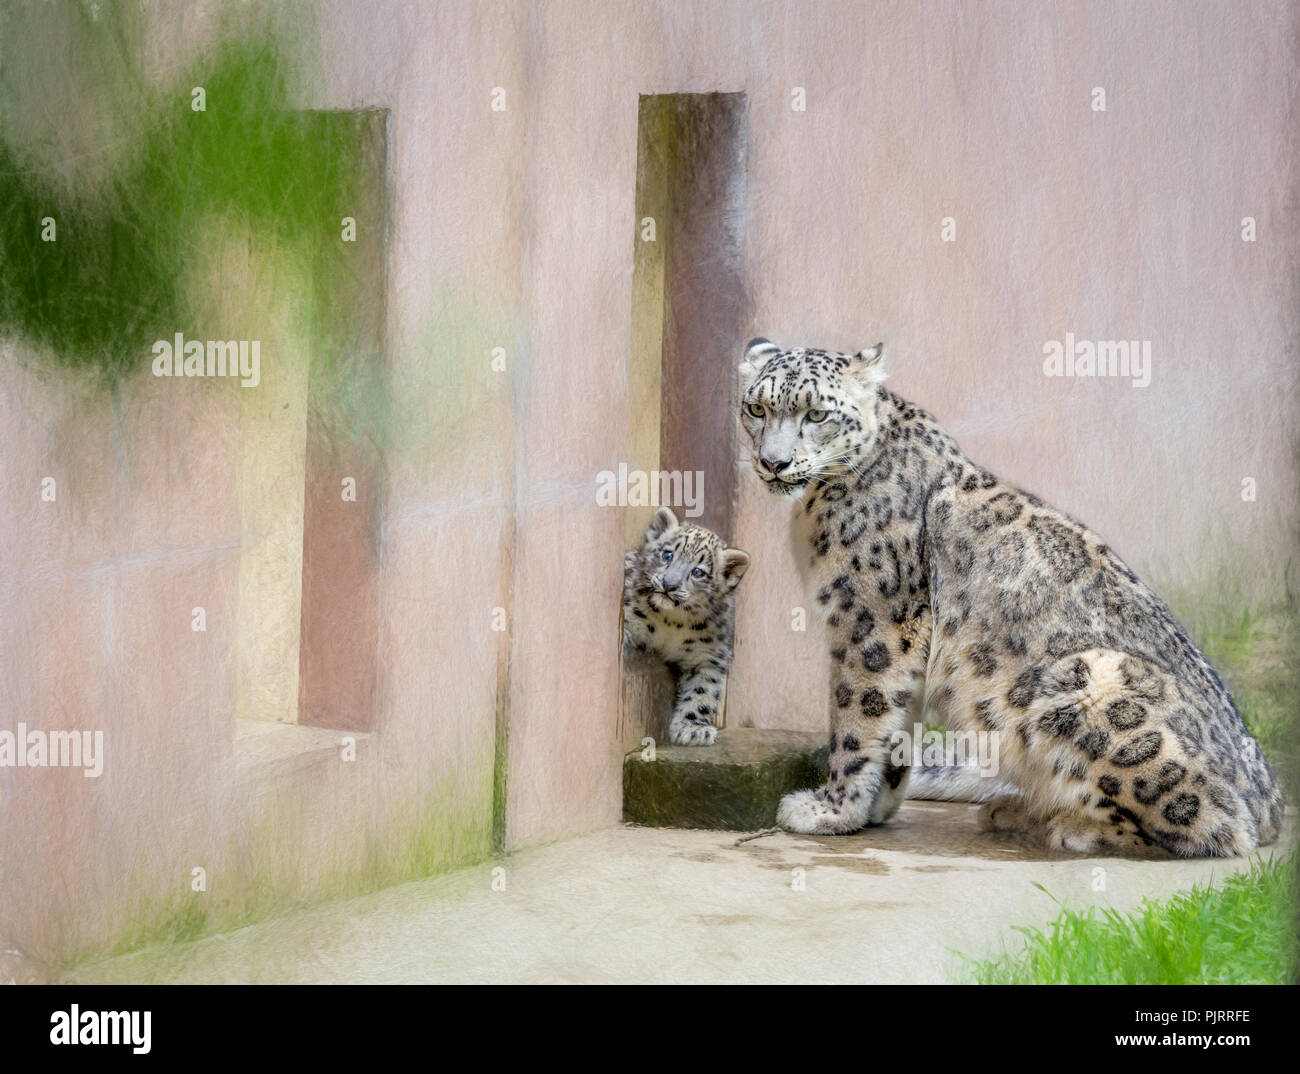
(666, 905)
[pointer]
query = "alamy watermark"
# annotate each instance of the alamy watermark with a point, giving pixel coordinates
(180, 357)
(53, 749)
(652, 488)
(1102, 358)
(922, 748)
(75, 1026)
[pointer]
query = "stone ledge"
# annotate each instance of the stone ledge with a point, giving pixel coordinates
(733, 785)
(265, 750)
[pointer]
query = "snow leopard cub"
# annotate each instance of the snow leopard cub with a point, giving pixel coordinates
(679, 604)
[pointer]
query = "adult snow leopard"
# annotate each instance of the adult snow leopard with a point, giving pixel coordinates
(679, 603)
(950, 592)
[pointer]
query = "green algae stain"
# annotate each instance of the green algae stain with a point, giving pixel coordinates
(111, 281)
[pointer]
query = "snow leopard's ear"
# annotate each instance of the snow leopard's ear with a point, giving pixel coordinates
(757, 351)
(868, 365)
(734, 565)
(663, 521)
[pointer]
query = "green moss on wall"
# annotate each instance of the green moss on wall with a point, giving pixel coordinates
(109, 284)
(449, 827)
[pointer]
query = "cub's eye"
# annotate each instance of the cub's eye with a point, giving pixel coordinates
(816, 416)
(668, 555)
(698, 572)
(755, 410)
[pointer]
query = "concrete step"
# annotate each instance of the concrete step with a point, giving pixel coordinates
(734, 784)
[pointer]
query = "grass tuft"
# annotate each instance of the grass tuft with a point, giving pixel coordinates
(1243, 932)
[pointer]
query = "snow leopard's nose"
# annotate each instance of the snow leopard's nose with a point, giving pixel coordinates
(673, 578)
(774, 465)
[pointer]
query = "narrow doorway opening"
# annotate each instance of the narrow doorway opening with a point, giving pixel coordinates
(311, 473)
(688, 305)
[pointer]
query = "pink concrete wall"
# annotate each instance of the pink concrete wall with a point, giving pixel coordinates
(515, 230)
(1117, 225)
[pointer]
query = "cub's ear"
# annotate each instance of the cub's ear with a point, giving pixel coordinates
(757, 351)
(663, 521)
(868, 365)
(734, 565)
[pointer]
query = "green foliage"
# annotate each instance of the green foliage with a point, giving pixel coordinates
(1241, 933)
(112, 282)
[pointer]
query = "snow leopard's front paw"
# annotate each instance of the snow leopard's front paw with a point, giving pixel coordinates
(690, 733)
(812, 813)
(890, 794)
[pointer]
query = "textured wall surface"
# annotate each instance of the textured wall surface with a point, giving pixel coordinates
(509, 384)
(1125, 224)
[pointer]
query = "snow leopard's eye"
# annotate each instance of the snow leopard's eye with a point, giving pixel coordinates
(755, 410)
(668, 555)
(698, 572)
(816, 416)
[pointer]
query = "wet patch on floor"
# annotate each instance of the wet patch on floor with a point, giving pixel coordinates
(703, 857)
(853, 863)
(723, 919)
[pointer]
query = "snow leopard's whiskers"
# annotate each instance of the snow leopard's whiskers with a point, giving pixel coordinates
(823, 467)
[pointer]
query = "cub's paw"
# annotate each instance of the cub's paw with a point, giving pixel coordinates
(810, 813)
(685, 733)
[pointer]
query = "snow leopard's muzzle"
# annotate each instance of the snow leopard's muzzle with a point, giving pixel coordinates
(778, 459)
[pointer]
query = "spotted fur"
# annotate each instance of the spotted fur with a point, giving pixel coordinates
(679, 604)
(953, 595)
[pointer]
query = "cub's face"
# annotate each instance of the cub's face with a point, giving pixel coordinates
(808, 413)
(685, 566)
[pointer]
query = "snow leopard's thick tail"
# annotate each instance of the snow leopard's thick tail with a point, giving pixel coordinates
(955, 783)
